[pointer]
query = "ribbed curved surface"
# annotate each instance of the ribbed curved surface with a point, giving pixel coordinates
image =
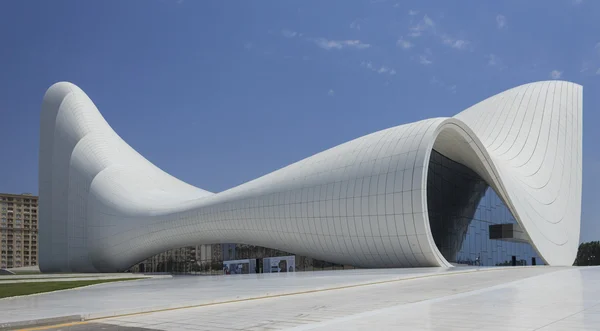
(533, 136)
(104, 207)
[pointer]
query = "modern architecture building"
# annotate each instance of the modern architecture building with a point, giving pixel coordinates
(18, 230)
(499, 181)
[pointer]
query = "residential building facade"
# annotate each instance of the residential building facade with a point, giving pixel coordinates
(18, 230)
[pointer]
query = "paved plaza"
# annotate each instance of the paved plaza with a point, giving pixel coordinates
(514, 298)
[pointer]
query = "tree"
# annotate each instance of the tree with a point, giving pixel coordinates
(588, 254)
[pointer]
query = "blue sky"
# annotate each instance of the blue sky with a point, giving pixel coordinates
(220, 92)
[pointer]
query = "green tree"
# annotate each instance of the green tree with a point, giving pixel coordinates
(588, 254)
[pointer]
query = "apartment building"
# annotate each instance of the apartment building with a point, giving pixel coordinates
(18, 230)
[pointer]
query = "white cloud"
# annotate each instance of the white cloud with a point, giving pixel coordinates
(428, 21)
(413, 12)
(438, 82)
(460, 44)
(493, 60)
(355, 25)
(598, 71)
(381, 70)
(500, 21)
(424, 60)
(405, 44)
(577, 2)
(455, 43)
(426, 24)
(248, 45)
(331, 93)
(339, 44)
(288, 33)
(555, 74)
(597, 48)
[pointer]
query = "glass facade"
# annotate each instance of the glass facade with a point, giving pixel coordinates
(461, 207)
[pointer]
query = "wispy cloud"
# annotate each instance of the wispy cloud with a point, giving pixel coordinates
(493, 60)
(386, 70)
(413, 12)
(355, 25)
(500, 21)
(340, 44)
(585, 67)
(591, 61)
(378, 69)
(404, 44)
(438, 82)
(288, 33)
(424, 60)
(425, 24)
(331, 93)
(555, 74)
(577, 2)
(428, 21)
(598, 71)
(455, 43)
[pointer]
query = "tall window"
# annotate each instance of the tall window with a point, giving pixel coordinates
(461, 208)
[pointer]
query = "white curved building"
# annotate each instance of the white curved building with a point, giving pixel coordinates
(374, 201)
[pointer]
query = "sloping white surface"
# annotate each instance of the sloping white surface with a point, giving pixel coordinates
(533, 137)
(513, 298)
(104, 207)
